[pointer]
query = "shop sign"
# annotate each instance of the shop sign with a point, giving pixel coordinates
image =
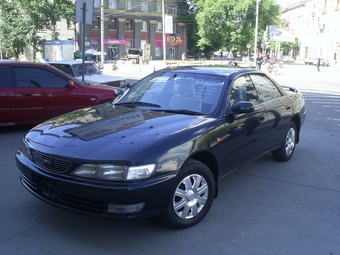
(175, 40)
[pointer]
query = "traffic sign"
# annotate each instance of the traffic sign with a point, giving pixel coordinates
(248, 45)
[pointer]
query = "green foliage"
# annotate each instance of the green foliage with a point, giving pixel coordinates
(21, 20)
(230, 24)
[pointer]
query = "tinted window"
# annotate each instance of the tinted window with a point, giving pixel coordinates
(266, 89)
(243, 90)
(65, 68)
(6, 77)
(38, 78)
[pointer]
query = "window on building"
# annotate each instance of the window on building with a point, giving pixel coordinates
(95, 23)
(144, 7)
(57, 25)
(159, 7)
(112, 24)
(96, 3)
(173, 9)
(159, 27)
(128, 24)
(112, 4)
(158, 51)
(144, 26)
(128, 5)
(174, 28)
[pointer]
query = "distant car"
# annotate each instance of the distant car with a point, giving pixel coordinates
(162, 147)
(288, 59)
(34, 92)
(133, 55)
(308, 61)
(323, 61)
(92, 73)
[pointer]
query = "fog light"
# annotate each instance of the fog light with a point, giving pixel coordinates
(125, 208)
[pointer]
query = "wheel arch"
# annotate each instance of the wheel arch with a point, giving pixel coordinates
(297, 121)
(210, 161)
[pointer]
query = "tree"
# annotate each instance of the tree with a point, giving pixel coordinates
(230, 24)
(21, 20)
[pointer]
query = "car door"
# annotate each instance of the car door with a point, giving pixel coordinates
(246, 133)
(7, 99)
(42, 94)
(278, 107)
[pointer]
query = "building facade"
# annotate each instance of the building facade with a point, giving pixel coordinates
(133, 24)
(315, 24)
(129, 24)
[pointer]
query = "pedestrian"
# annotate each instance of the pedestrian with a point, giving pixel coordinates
(318, 64)
(259, 61)
(184, 57)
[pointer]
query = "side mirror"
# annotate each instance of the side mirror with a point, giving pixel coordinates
(242, 107)
(71, 84)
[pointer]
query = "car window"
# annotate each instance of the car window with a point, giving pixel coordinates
(30, 77)
(184, 91)
(6, 78)
(65, 68)
(243, 90)
(266, 89)
(90, 69)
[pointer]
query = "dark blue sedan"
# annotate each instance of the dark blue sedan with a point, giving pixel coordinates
(161, 148)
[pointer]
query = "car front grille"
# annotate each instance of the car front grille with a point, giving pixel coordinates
(51, 163)
(48, 190)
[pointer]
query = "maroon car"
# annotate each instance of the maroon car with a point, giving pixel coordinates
(33, 92)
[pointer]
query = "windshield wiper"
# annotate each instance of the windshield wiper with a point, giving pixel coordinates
(138, 104)
(183, 111)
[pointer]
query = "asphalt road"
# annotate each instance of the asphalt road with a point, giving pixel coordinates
(263, 208)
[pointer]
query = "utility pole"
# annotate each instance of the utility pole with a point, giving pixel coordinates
(102, 33)
(256, 28)
(163, 28)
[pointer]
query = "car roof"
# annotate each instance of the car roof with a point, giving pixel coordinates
(69, 62)
(217, 70)
(24, 63)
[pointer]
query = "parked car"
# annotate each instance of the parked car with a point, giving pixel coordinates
(162, 147)
(92, 73)
(133, 55)
(288, 59)
(308, 61)
(33, 92)
(323, 61)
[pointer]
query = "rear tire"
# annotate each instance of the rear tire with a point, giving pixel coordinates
(286, 151)
(192, 196)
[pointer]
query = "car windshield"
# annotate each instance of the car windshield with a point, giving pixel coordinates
(90, 69)
(188, 93)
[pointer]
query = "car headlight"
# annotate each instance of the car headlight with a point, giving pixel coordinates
(26, 150)
(113, 172)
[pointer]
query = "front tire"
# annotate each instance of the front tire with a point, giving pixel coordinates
(192, 196)
(286, 151)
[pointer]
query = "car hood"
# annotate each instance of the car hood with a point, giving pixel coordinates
(108, 132)
(98, 78)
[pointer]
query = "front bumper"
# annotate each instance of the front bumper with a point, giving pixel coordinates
(95, 197)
